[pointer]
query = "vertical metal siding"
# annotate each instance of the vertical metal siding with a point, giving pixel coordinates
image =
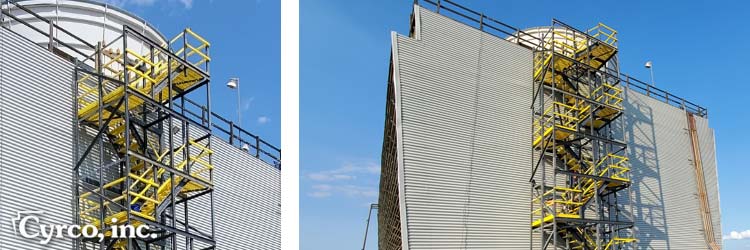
(36, 149)
(465, 124)
(667, 208)
(710, 173)
(466, 153)
(35, 138)
(247, 202)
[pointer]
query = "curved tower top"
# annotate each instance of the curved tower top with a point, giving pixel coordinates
(89, 20)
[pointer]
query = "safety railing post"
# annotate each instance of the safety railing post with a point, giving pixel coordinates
(204, 118)
(51, 36)
(481, 21)
(257, 146)
(98, 57)
(231, 133)
(438, 7)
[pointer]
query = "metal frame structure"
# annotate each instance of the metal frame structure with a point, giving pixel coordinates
(580, 173)
(142, 155)
(232, 133)
(502, 30)
(138, 160)
(373, 206)
(225, 129)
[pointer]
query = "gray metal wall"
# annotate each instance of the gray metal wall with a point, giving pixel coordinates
(664, 182)
(36, 158)
(464, 109)
(247, 200)
(462, 104)
(35, 138)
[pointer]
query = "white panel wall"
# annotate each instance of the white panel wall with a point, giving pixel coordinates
(247, 200)
(35, 138)
(667, 207)
(36, 158)
(465, 118)
(710, 172)
(464, 104)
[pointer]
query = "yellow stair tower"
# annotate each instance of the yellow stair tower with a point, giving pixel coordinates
(580, 173)
(139, 159)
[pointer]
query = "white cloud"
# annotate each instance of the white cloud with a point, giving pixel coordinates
(734, 235)
(263, 120)
(187, 3)
(320, 194)
(348, 171)
(324, 191)
(322, 187)
(346, 181)
(369, 167)
(246, 103)
(330, 177)
(358, 191)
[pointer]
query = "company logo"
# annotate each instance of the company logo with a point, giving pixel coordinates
(28, 224)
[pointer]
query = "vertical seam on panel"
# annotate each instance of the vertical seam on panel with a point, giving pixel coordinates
(467, 206)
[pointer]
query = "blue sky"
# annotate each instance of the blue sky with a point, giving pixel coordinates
(698, 51)
(244, 38)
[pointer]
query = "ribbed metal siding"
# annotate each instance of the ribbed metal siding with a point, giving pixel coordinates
(36, 144)
(465, 120)
(247, 198)
(667, 208)
(35, 138)
(710, 173)
(439, 76)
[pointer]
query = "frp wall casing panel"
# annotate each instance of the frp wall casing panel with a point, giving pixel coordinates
(247, 199)
(464, 116)
(710, 173)
(667, 209)
(36, 122)
(465, 124)
(36, 157)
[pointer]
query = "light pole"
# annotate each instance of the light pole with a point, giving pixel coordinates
(234, 83)
(649, 65)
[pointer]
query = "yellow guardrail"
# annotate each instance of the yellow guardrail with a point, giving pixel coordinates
(604, 33)
(608, 95)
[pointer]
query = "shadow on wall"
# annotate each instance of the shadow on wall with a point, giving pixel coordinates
(648, 207)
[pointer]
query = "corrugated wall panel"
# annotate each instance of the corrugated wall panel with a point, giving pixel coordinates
(246, 201)
(36, 144)
(667, 208)
(710, 172)
(466, 169)
(35, 138)
(465, 124)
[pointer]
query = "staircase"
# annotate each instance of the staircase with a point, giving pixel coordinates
(579, 105)
(158, 173)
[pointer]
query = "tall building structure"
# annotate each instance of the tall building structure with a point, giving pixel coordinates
(97, 129)
(502, 138)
